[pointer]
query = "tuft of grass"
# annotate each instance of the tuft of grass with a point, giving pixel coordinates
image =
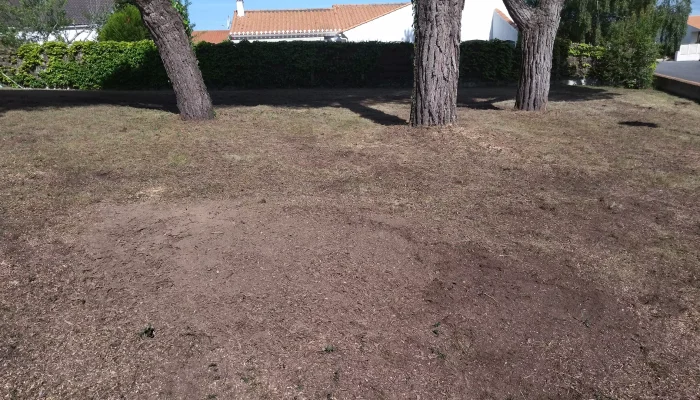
(148, 332)
(440, 355)
(329, 348)
(178, 160)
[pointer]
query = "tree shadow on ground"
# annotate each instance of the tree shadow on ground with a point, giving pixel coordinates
(486, 98)
(360, 101)
(639, 124)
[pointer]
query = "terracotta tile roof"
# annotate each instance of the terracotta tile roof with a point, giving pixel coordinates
(694, 21)
(209, 36)
(506, 18)
(338, 18)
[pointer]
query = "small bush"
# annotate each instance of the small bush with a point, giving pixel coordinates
(124, 25)
(581, 59)
(488, 61)
(629, 59)
(90, 65)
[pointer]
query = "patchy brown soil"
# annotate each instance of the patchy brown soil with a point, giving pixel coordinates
(307, 245)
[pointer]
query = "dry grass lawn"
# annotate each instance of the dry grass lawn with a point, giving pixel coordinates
(309, 245)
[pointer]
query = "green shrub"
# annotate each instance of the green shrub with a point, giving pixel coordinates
(488, 61)
(629, 59)
(124, 25)
(582, 57)
(561, 69)
(305, 64)
(90, 65)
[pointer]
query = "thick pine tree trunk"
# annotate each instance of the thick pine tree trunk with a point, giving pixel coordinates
(538, 29)
(437, 29)
(168, 32)
(536, 68)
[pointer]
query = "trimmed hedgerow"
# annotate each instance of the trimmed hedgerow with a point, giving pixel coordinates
(488, 61)
(248, 65)
(255, 65)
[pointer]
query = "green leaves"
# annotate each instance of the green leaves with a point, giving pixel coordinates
(182, 8)
(90, 65)
(124, 25)
(627, 61)
(630, 54)
(488, 61)
(305, 64)
(673, 16)
(31, 20)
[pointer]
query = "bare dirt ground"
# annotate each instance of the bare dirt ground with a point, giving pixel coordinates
(309, 245)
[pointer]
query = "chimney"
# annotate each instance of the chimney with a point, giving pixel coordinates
(239, 8)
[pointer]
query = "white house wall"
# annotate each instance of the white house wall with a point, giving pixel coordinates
(479, 22)
(502, 30)
(690, 47)
(303, 39)
(396, 26)
(76, 35)
(69, 35)
(691, 36)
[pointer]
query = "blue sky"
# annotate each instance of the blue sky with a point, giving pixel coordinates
(211, 14)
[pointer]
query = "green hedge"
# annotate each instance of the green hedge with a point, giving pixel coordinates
(582, 58)
(246, 65)
(136, 65)
(89, 65)
(305, 64)
(488, 61)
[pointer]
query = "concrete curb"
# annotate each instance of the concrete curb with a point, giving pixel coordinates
(676, 86)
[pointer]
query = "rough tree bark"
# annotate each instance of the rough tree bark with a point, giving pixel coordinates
(168, 32)
(538, 29)
(437, 27)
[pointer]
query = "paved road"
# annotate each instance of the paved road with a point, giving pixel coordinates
(688, 70)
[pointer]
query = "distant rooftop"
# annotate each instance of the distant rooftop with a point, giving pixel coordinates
(210, 36)
(694, 21)
(338, 18)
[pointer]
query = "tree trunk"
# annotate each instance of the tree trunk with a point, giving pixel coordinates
(538, 29)
(437, 29)
(168, 32)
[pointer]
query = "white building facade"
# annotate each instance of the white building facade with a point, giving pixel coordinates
(690, 45)
(481, 20)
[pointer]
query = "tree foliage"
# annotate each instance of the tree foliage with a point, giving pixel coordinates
(124, 25)
(629, 59)
(591, 21)
(31, 21)
(673, 15)
(181, 6)
(9, 21)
